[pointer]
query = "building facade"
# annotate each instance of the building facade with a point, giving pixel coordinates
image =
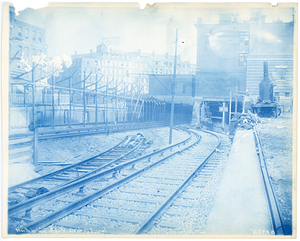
(230, 57)
(25, 41)
(115, 69)
(274, 43)
(126, 71)
(221, 56)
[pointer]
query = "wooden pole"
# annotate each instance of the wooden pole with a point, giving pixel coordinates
(84, 97)
(223, 117)
(35, 138)
(33, 99)
(230, 108)
(131, 105)
(124, 99)
(172, 90)
(35, 147)
(70, 97)
(96, 101)
(24, 102)
(53, 101)
(116, 102)
(236, 93)
(106, 114)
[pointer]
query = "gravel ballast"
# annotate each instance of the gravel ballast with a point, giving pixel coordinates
(276, 137)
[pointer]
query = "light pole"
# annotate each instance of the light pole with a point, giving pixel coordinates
(173, 90)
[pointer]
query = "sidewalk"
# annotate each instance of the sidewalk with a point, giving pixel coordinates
(240, 206)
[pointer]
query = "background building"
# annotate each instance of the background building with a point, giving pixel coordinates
(127, 71)
(230, 58)
(25, 41)
(221, 56)
(113, 68)
(273, 43)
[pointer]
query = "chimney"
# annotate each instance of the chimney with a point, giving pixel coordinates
(265, 69)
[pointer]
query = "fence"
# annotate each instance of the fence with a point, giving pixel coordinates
(59, 106)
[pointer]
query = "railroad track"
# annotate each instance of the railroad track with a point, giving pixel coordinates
(127, 149)
(280, 228)
(84, 204)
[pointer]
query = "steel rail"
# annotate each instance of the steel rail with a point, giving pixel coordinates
(68, 168)
(86, 200)
(277, 222)
(160, 210)
(79, 183)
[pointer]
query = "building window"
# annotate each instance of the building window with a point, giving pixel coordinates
(281, 72)
(33, 52)
(26, 33)
(87, 62)
(33, 35)
(242, 59)
(19, 31)
(183, 88)
(276, 93)
(287, 94)
(247, 38)
(244, 37)
(40, 37)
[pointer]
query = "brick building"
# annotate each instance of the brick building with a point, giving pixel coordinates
(25, 41)
(230, 57)
(109, 67)
(125, 70)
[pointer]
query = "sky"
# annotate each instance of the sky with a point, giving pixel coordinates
(82, 27)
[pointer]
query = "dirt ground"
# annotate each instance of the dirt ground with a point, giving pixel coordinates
(276, 136)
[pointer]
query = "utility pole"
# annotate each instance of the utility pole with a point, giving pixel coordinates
(71, 99)
(116, 103)
(230, 108)
(172, 90)
(84, 99)
(236, 92)
(223, 116)
(35, 129)
(106, 103)
(96, 100)
(53, 101)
